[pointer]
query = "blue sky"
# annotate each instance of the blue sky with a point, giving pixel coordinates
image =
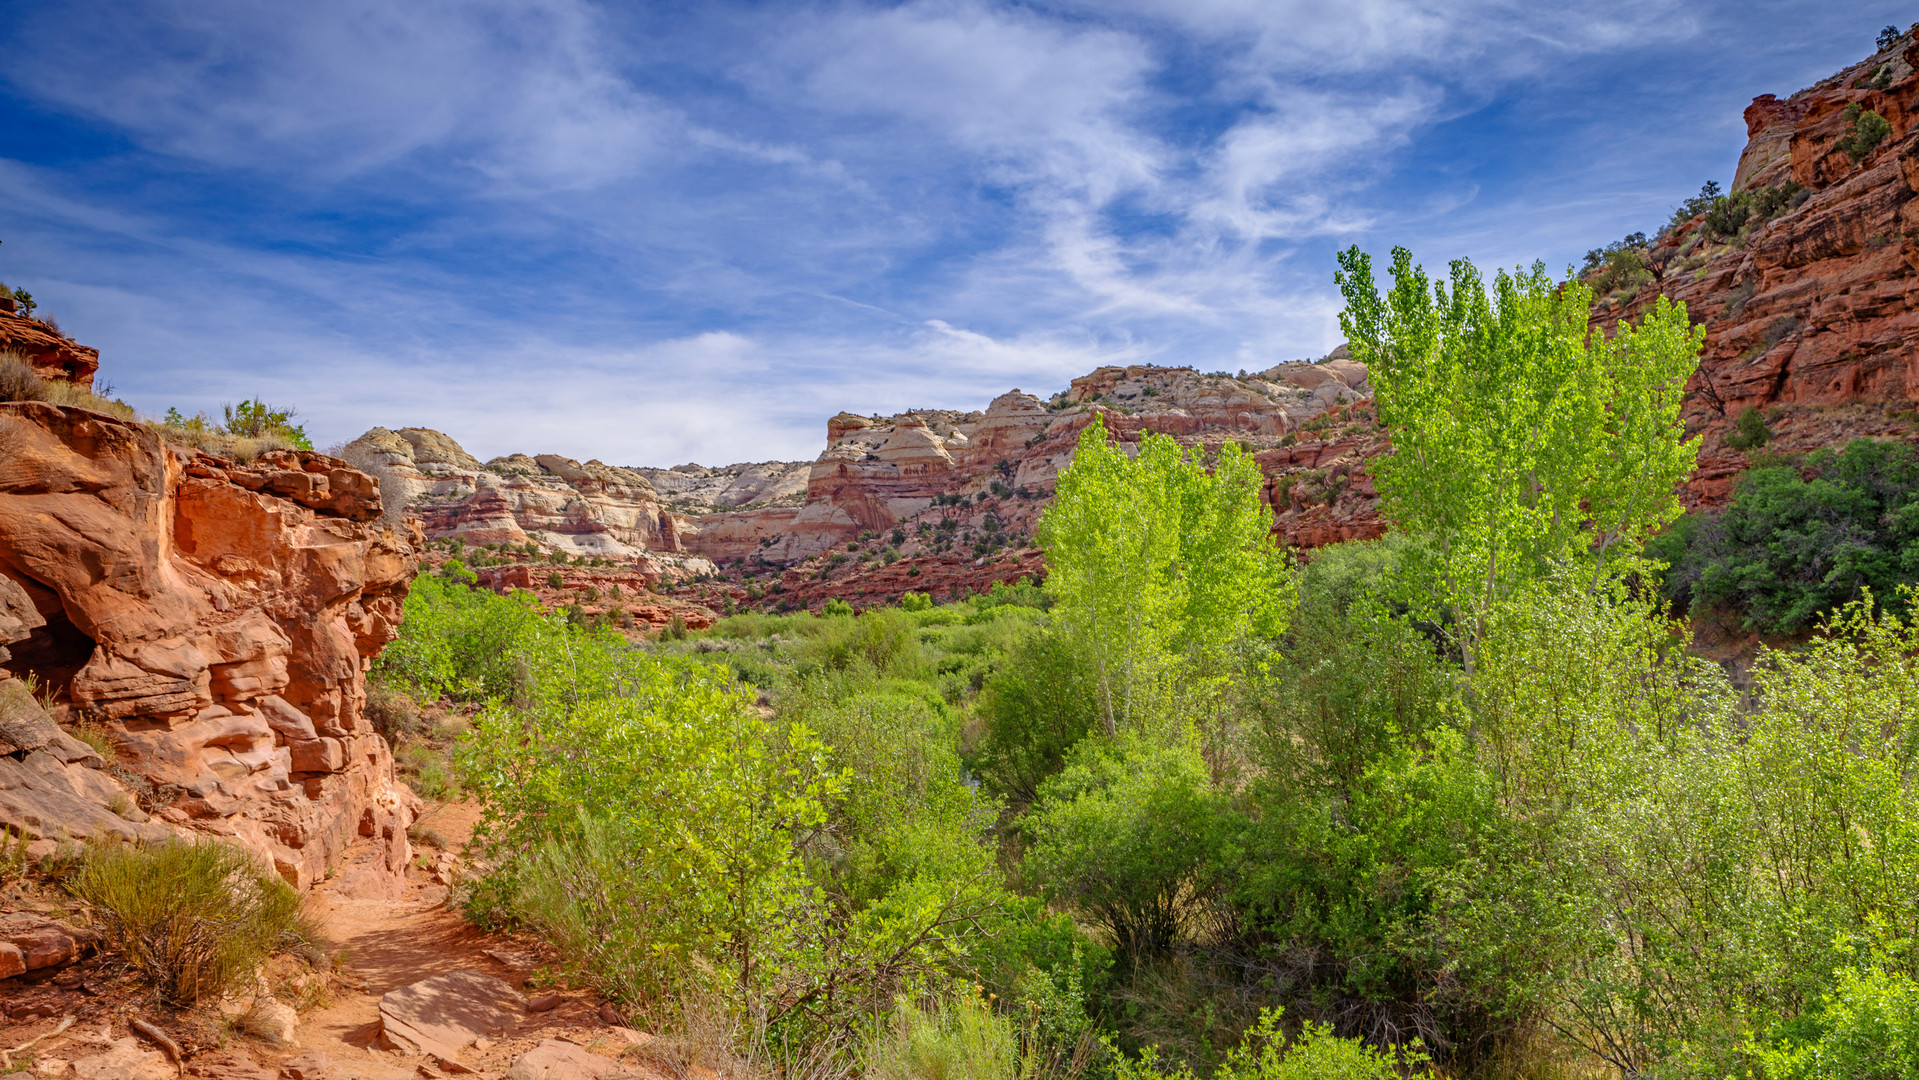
(653, 233)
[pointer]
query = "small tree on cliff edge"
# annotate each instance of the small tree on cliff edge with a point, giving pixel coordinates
(1522, 441)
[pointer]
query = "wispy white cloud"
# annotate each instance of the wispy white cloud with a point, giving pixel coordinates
(645, 234)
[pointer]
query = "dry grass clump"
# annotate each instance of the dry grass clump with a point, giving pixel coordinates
(208, 440)
(194, 920)
(19, 382)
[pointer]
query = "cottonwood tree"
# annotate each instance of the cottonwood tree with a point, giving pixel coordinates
(1522, 440)
(1160, 565)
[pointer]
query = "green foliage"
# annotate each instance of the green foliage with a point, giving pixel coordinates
(615, 754)
(193, 920)
(465, 643)
(1520, 442)
(1694, 859)
(1622, 264)
(960, 1039)
(1888, 37)
(1021, 593)
(1708, 197)
(1798, 541)
(915, 601)
(253, 419)
(1865, 130)
(1357, 677)
(1130, 834)
(1159, 566)
(1036, 708)
(1265, 1053)
(1867, 1026)
(1749, 431)
(837, 606)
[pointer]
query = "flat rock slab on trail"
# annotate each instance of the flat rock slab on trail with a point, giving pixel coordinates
(444, 1014)
(556, 1059)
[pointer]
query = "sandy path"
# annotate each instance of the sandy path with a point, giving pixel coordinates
(393, 942)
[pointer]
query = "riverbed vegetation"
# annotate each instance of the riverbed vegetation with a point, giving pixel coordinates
(1456, 801)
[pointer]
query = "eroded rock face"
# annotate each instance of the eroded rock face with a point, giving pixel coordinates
(1812, 316)
(882, 473)
(590, 509)
(51, 354)
(215, 620)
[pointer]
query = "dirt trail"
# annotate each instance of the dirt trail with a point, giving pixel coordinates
(393, 934)
(394, 941)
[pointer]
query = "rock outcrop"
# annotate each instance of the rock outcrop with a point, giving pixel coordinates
(585, 510)
(882, 473)
(945, 495)
(50, 353)
(210, 623)
(1811, 316)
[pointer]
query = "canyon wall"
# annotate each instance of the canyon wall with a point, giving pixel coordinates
(590, 510)
(1811, 316)
(209, 624)
(948, 484)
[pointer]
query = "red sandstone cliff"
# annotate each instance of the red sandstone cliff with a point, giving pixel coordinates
(47, 351)
(214, 621)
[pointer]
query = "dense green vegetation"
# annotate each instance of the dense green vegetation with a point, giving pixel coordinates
(1454, 801)
(1800, 538)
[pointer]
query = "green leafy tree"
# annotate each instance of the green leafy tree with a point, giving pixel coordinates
(1157, 563)
(1521, 441)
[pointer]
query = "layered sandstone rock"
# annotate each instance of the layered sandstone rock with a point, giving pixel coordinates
(588, 510)
(1812, 316)
(50, 353)
(214, 622)
(875, 475)
(695, 489)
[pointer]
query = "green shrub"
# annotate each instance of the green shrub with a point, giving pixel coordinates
(1021, 593)
(1796, 542)
(1130, 835)
(194, 920)
(1867, 1026)
(643, 817)
(1036, 708)
(916, 601)
(1865, 130)
(837, 607)
(1265, 1053)
(253, 419)
(465, 643)
(1749, 431)
(1708, 197)
(1619, 265)
(958, 1039)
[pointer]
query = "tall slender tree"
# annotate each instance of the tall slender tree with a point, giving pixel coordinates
(1523, 441)
(1160, 564)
